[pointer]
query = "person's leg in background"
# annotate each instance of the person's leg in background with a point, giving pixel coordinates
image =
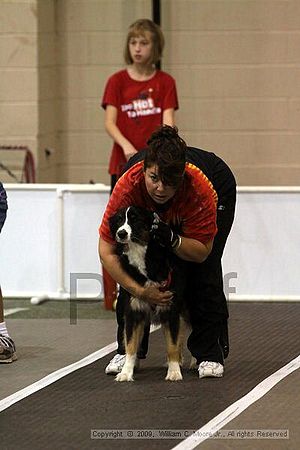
(109, 285)
(207, 302)
(7, 346)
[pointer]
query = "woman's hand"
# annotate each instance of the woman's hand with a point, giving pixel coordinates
(154, 296)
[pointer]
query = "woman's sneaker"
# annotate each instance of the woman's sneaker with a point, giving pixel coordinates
(116, 364)
(210, 369)
(7, 350)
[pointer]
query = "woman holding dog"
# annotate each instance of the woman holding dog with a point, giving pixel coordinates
(193, 193)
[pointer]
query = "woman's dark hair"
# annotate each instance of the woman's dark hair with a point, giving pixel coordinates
(167, 150)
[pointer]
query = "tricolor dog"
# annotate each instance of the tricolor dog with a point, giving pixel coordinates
(149, 264)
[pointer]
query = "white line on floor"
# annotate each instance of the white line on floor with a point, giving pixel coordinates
(11, 311)
(238, 407)
(54, 376)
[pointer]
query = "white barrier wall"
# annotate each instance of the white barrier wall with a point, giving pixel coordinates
(52, 231)
(263, 248)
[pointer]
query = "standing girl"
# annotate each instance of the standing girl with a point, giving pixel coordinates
(138, 98)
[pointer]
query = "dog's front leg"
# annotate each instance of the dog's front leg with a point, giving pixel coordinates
(174, 352)
(131, 347)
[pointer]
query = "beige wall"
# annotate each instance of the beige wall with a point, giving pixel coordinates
(18, 74)
(238, 74)
(236, 64)
(90, 36)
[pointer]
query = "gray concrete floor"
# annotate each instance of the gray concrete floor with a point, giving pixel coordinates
(277, 410)
(46, 345)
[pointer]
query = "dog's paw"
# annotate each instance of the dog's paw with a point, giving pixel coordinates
(173, 375)
(124, 376)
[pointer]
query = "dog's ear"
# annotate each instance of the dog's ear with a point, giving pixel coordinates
(115, 221)
(143, 214)
(111, 223)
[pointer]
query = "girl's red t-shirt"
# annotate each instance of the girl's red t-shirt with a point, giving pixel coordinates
(140, 106)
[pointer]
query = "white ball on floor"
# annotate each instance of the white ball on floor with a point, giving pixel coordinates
(38, 300)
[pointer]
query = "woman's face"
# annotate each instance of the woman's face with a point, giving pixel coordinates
(140, 48)
(158, 191)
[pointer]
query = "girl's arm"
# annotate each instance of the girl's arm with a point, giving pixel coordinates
(112, 129)
(111, 262)
(169, 117)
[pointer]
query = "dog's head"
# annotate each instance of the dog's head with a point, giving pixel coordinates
(131, 224)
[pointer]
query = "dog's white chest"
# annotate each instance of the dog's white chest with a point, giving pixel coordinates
(136, 256)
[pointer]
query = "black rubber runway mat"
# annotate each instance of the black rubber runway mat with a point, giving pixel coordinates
(264, 337)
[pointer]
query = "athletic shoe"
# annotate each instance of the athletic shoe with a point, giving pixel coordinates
(7, 350)
(210, 369)
(116, 364)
